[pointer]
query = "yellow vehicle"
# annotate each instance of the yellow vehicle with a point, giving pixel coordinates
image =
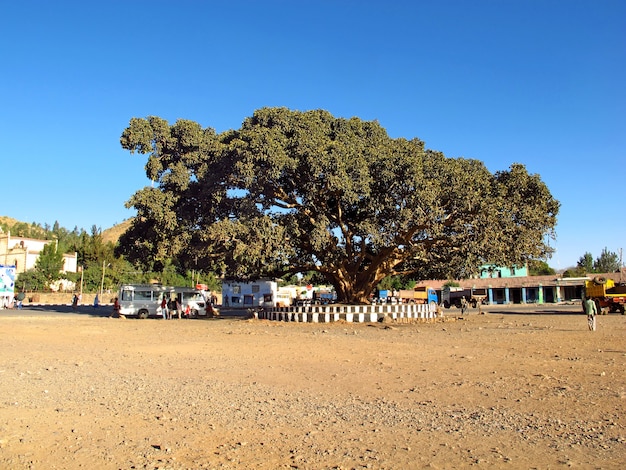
(419, 295)
(606, 294)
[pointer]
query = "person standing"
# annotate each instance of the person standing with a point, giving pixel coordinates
(179, 308)
(20, 299)
(591, 310)
(463, 305)
(164, 310)
(75, 302)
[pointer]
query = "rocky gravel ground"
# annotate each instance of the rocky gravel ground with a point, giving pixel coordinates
(491, 391)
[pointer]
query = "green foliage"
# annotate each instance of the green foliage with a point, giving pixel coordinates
(607, 262)
(31, 280)
(93, 253)
(451, 284)
(50, 262)
(294, 192)
(170, 277)
(585, 263)
(395, 283)
(575, 272)
(211, 281)
(22, 229)
(539, 268)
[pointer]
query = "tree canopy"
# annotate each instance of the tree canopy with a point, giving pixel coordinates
(295, 191)
(607, 262)
(539, 268)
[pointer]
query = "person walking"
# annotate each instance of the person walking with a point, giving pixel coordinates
(591, 310)
(117, 309)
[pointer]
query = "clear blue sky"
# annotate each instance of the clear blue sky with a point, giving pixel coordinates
(539, 82)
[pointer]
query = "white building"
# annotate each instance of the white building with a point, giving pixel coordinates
(23, 253)
(261, 293)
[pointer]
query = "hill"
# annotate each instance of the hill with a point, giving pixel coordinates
(8, 220)
(113, 234)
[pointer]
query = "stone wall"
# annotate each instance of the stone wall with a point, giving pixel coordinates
(65, 298)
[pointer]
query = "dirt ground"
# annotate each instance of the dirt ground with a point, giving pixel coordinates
(487, 391)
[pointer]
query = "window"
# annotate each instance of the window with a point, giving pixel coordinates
(236, 289)
(256, 288)
(143, 295)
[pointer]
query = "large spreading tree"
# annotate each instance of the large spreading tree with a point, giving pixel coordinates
(294, 191)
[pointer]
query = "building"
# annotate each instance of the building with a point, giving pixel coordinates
(261, 293)
(529, 289)
(23, 253)
(492, 271)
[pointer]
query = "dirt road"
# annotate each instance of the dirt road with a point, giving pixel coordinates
(495, 390)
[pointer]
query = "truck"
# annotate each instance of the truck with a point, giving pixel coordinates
(606, 294)
(419, 295)
(451, 295)
(324, 295)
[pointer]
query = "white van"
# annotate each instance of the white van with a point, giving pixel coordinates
(144, 300)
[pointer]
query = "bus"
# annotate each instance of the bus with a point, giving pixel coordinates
(144, 300)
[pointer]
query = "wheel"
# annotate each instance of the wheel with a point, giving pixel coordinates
(143, 314)
(446, 304)
(599, 280)
(194, 313)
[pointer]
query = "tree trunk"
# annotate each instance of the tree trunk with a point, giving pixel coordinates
(354, 290)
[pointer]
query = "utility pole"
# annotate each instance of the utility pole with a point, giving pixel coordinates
(82, 270)
(102, 283)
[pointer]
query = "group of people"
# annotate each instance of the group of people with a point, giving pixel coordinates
(174, 307)
(166, 311)
(465, 305)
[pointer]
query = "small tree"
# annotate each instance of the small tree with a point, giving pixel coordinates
(31, 280)
(50, 263)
